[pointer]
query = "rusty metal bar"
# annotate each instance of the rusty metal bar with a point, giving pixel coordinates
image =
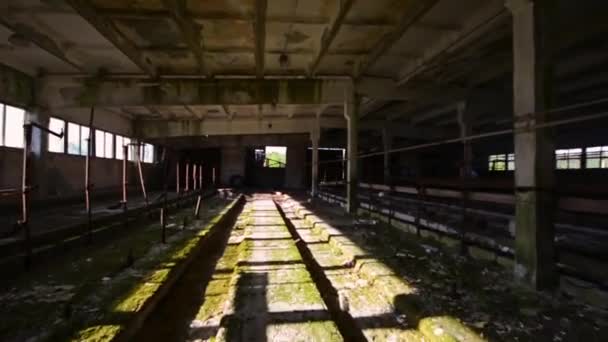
(194, 178)
(25, 198)
(178, 189)
(87, 178)
(198, 207)
(140, 172)
(10, 192)
(125, 154)
(187, 178)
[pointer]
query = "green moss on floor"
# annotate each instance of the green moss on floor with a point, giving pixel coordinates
(104, 290)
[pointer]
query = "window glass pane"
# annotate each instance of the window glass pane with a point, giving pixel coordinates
(56, 143)
(14, 120)
(562, 164)
(276, 156)
(574, 164)
(148, 153)
(119, 143)
(73, 138)
(100, 144)
(593, 163)
(109, 146)
(604, 164)
(511, 161)
(84, 142)
(1, 124)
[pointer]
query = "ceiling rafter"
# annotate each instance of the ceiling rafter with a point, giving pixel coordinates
(328, 36)
(107, 29)
(188, 28)
(259, 25)
(413, 12)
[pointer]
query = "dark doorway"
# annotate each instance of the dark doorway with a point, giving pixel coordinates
(265, 167)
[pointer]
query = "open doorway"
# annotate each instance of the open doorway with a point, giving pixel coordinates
(266, 167)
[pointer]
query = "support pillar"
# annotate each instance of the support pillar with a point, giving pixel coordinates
(314, 137)
(352, 123)
(39, 152)
(534, 149)
(466, 170)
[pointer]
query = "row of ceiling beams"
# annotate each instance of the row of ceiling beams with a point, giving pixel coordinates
(102, 21)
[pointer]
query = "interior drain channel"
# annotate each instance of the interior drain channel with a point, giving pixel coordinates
(345, 322)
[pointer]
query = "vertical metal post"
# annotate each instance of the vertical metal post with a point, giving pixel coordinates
(163, 210)
(141, 176)
(198, 206)
(177, 185)
(213, 176)
(187, 187)
(87, 178)
(163, 223)
(25, 200)
(194, 178)
(125, 154)
(465, 173)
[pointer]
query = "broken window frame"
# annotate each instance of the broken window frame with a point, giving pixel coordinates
(56, 144)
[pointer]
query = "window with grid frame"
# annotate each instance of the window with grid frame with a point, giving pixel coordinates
(596, 157)
(104, 144)
(78, 139)
(497, 162)
(120, 142)
(568, 158)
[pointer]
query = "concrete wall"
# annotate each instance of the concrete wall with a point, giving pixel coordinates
(296, 166)
(233, 162)
(60, 175)
(234, 149)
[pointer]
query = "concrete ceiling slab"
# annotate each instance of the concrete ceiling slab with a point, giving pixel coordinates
(29, 59)
(244, 8)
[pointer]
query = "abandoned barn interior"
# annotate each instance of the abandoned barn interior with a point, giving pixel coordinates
(303, 170)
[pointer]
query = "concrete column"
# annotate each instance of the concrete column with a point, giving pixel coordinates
(466, 169)
(314, 137)
(465, 124)
(387, 144)
(39, 152)
(534, 149)
(352, 123)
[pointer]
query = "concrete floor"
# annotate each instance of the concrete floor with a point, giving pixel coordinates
(291, 269)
